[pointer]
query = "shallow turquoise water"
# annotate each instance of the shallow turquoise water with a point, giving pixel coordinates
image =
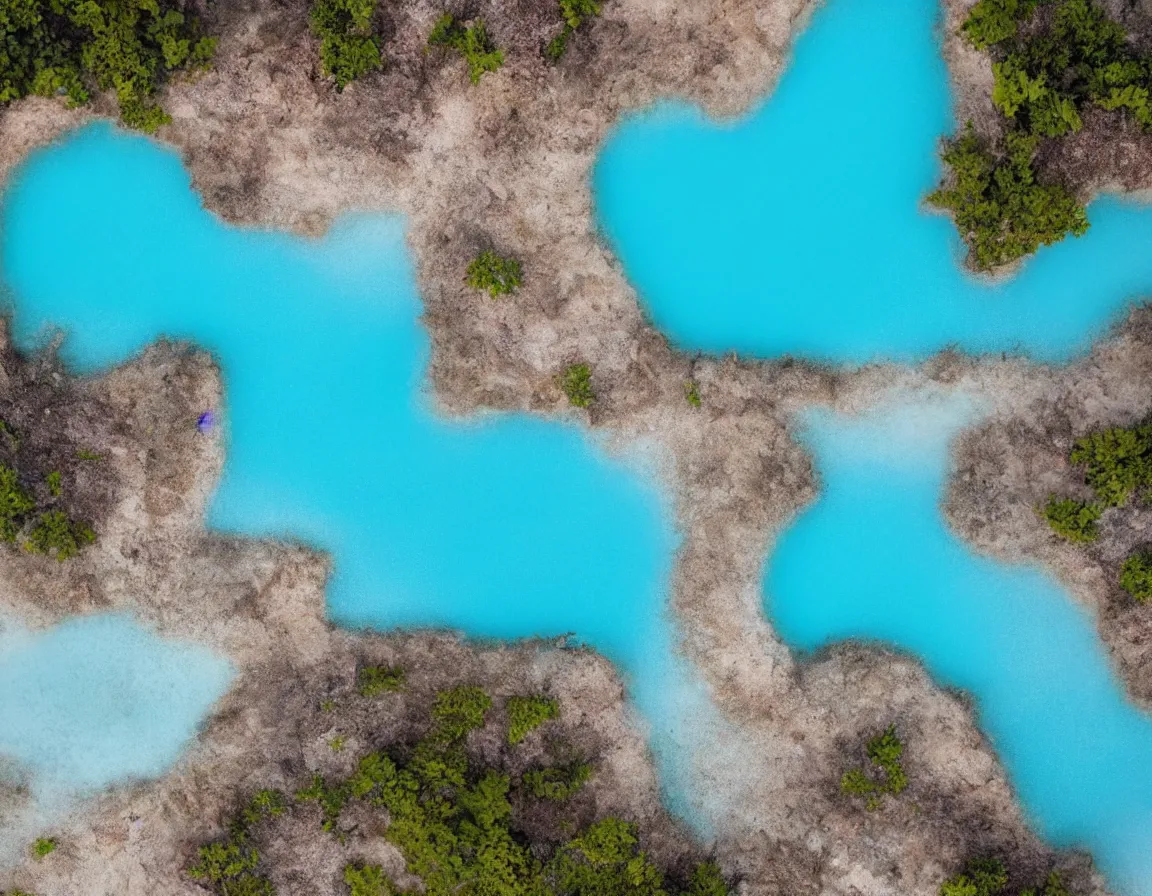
(511, 527)
(800, 230)
(872, 559)
(100, 699)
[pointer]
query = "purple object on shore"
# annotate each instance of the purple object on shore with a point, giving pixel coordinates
(205, 422)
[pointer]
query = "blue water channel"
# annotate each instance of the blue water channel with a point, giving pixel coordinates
(873, 559)
(801, 230)
(505, 527)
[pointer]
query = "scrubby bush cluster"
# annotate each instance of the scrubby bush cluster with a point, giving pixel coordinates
(471, 41)
(886, 751)
(526, 714)
(1136, 575)
(372, 681)
(576, 383)
(574, 13)
(454, 819)
(1001, 208)
(349, 49)
(44, 846)
(1073, 519)
(494, 273)
(1117, 465)
(72, 47)
(40, 529)
(231, 866)
(989, 877)
(1069, 55)
(1050, 61)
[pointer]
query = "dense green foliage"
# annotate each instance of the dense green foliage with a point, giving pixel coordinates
(58, 535)
(44, 846)
(992, 22)
(692, 393)
(1001, 210)
(981, 877)
(15, 504)
(1072, 519)
(557, 782)
(526, 714)
(576, 382)
(55, 483)
(453, 820)
(348, 47)
(230, 866)
(372, 681)
(367, 880)
(72, 46)
(574, 13)
(989, 877)
(1136, 576)
(471, 41)
(1117, 462)
(1070, 55)
(499, 275)
(886, 751)
(53, 532)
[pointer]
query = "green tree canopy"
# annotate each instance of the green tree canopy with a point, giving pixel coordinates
(74, 46)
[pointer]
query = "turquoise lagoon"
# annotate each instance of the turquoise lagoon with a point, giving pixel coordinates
(873, 559)
(800, 230)
(502, 528)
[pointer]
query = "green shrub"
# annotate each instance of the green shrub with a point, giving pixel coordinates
(886, 751)
(526, 714)
(372, 681)
(1116, 462)
(574, 13)
(692, 393)
(44, 846)
(348, 48)
(499, 275)
(459, 710)
(331, 799)
(72, 46)
(982, 877)
(1136, 575)
(992, 22)
(576, 382)
(55, 483)
(1053, 886)
(367, 880)
(557, 783)
(58, 535)
(605, 859)
(229, 867)
(1001, 211)
(707, 880)
(471, 42)
(15, 504)
(1071, 519)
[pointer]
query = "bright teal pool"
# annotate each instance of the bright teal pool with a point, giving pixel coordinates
(799, 230)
